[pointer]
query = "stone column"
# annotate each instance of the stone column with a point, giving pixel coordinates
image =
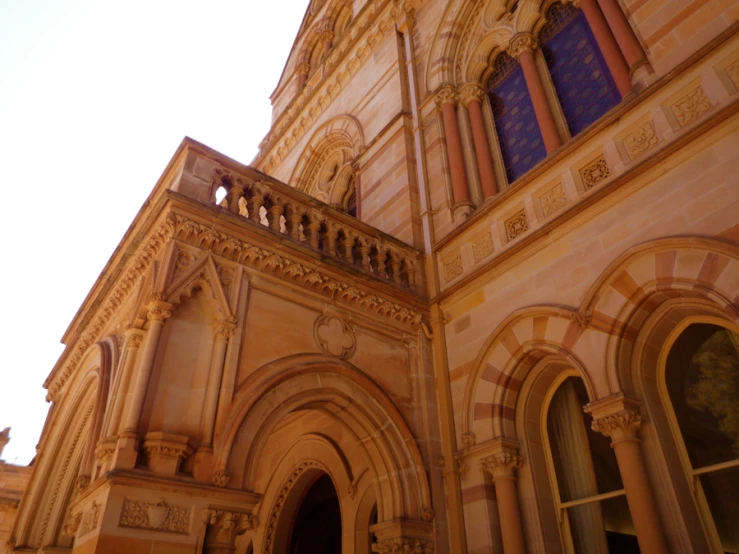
(502, 467)
(522, 47)
(618, 418)
(608, 46)
(133, 339)
(222, 528)
(472, 97)
(447, 99)
(203, 469)
(126, 449)
(624, 34)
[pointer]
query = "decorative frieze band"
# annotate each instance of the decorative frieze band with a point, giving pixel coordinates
(158, 516)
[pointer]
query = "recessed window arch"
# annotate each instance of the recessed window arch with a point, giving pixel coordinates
(588, 492)
(579, 73)
(519, 137)
(701, 383)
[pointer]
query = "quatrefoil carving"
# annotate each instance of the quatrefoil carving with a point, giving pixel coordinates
(334, 336)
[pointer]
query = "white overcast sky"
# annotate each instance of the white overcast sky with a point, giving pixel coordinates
(95, 96)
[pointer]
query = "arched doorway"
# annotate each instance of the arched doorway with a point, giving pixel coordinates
(317, 525)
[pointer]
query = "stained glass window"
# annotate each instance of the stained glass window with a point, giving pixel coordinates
(515, 121)
(580, 75)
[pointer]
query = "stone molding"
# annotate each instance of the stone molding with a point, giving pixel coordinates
(271, 263)
(279, 503)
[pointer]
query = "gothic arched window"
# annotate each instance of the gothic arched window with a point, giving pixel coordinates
(579, 73)
(702, 382)
(515, 121)
(588, 491)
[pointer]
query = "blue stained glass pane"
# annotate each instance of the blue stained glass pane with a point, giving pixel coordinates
(515, 122)
(581, 78)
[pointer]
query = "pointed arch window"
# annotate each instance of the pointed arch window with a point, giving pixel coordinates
(702, 383)
(518, 132)
(588, 490)
(580, 75)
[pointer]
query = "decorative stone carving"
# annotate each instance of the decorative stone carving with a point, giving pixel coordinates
(553, 200)
(468, 439)
(223, 526)
(404, 546)
(133, 338)
(158, 516)
(522, 42)
(501, 464)
(516, 225)
(223, 331)
(159, 310)
(446, 95)
(732, 72)
(72, 524)
(165, 451)
(582, 318)
(221, 478)
(334, 336)
(621, 425)
(692, 105)
(640, 140)
(482, 246)
(595, 172)
(427, 514)
(403, 537)
(274, 515)
(452, 265)
(471, 92)
(90, 519)
(81, 483)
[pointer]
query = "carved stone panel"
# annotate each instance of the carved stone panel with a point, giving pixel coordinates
(516, 225)
(694, 104)
(158, 516)
(594, 172)
(334, 336)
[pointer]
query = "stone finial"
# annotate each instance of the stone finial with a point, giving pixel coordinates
(522, 42)
(4, 439)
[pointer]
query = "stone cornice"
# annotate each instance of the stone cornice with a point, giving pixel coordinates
(255, 247)
(344, 60)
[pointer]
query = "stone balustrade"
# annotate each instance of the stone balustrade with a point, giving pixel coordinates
(301, 218)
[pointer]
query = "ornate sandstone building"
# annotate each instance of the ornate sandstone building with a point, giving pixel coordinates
(478, 293)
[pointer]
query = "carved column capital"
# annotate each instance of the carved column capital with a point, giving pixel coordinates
(224, 331)
(158, 310)
(133, 337)
(501, 464)
(522, 42)
(617, 416)
(471, 92)
(403, 537)
(446, 95)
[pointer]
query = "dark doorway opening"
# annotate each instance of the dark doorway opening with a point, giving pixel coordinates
(317, 527)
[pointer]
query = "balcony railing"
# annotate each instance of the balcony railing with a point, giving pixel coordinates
(303, 219)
